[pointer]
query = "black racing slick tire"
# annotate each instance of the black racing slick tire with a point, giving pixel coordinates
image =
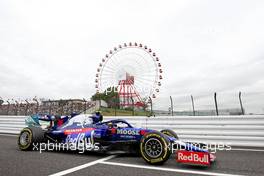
(29, 136)
(154, 148)
(170, 133)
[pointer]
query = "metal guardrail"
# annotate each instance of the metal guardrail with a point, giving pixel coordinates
(11, 124)
(231, 130)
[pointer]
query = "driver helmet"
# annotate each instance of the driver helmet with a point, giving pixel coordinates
(97, 113)
(98, 116)
(74, 114)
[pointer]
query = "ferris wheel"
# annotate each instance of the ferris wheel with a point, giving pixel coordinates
(134, 70)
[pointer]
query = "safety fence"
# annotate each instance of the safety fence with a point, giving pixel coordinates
(49, 106)
(231, 130)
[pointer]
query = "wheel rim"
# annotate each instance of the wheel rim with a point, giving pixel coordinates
(153, 148)
(24, 138)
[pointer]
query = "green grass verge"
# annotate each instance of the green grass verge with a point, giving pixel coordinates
(122, 112)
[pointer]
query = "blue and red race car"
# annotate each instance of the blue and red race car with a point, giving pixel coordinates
(84, 132)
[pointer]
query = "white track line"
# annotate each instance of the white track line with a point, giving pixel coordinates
(167, 169)
(82, 166)
(248, 150)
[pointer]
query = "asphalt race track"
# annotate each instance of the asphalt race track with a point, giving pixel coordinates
(16, 162)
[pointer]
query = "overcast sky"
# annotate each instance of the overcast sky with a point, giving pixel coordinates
(52, 48)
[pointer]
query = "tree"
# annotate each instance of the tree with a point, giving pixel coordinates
(110, 96)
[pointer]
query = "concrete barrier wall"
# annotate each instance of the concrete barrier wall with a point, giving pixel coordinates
(231, 130)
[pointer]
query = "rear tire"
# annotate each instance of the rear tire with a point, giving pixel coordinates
(154, 148)
(28, 136)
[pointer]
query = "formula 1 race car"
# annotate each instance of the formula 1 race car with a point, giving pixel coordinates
(82, 133)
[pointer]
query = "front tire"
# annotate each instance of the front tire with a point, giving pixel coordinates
(28, 136)
(170, 133)
(154, 148)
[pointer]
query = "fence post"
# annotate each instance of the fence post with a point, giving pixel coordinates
(35, 99)
(171, 106)
(1, 102)
(241, 105)
(8, 106)
(133, 106)
(61, 105)
(193, 105)
(17, 106)
(151, 110)
(26, 110)
(49, 106)
(71, 105)
(68, 108)
(85, 105)
(116, 101)
(216, 107)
